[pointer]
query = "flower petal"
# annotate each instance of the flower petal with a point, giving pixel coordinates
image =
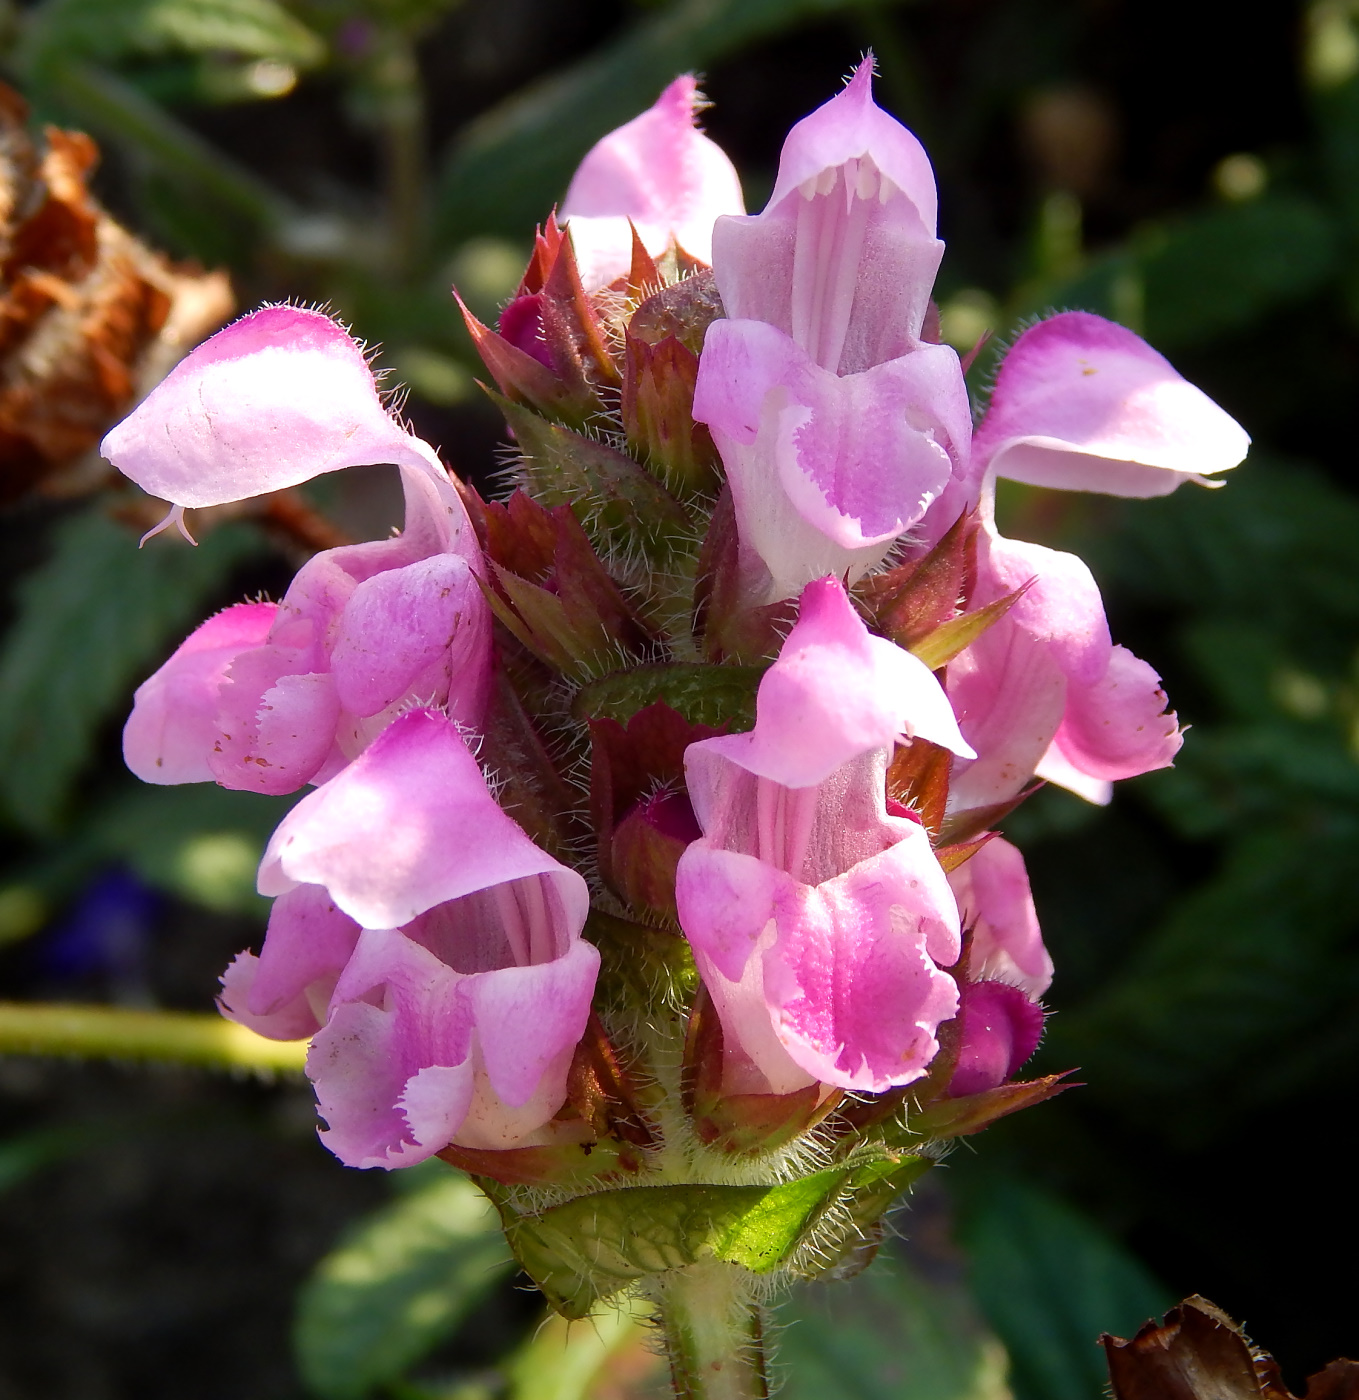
(1119, 726)
(994, 900)
(294, 1019)
(852, 979)
(278, 397)
(834, 693)
(399, 623)
(661, 173)
(527, 1017)
(408, 825)
(843, 257)
(173, 725)
(1084, 405)
(308, 944)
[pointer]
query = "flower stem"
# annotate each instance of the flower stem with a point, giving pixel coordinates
(714, 1333)
(108, 1032)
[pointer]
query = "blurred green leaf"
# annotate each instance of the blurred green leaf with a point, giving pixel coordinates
(1049, 1281)
(1211, 272)
(399, 1282)
(93, 619)
(1230, 999)
(1276, 547)
(25, 1154)
(198, 841)
(97, 29)
(889, 1334)
(507, 169)
(563, 1360)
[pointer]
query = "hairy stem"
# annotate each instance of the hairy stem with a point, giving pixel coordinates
(714, 1333)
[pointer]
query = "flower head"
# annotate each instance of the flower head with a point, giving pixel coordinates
(819, 921)
(431, 946)
(837, 425)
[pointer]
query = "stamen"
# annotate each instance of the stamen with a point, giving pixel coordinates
(512, 921)
(175, 517)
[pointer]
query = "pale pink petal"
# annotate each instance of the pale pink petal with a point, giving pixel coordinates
(491, 1124)
(437, 1102)
(1009, 696)
(661, 173)
(994, 900)
(527, 1018)
(725, 900)
(397, 624)
(754, 1060)
(1009, 688)
(843, 257)
(848, 981)
(294, 1019)
(852, 980)
(1001, 1028)
(1083, 404)
(1119, 727)
(359, 1065)
(173, 724)
(1061, 609)
(834, 693)
(858, 459)
(273, 737)
(278, 397)
(307, 946)
(408, 825)
(1055, 767)
(397, 1010)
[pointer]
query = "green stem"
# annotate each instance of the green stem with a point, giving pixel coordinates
(110, 1032)
(402, 117)
(714, 1333)
(115, 108)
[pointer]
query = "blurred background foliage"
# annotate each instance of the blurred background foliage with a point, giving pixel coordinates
(1189, 170)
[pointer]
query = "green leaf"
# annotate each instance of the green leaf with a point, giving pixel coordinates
(515, 160)
(65, 29)
(1213, 272)
(1049, 1281)
(562, 1360)
(93, 620)
(595, 1245)
(399, 1282)
(703, 694)
(1245, 988)
(200, 842)
(891, 1333)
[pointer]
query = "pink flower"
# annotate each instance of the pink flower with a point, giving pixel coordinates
(278, 397)
(1044, 691)
(1084, 405)
(837, 425)
(268, 697)
(994, 901)
(1008, 969)
(1080, 404)
(434, 950)
(818, 921)
(661, 173)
